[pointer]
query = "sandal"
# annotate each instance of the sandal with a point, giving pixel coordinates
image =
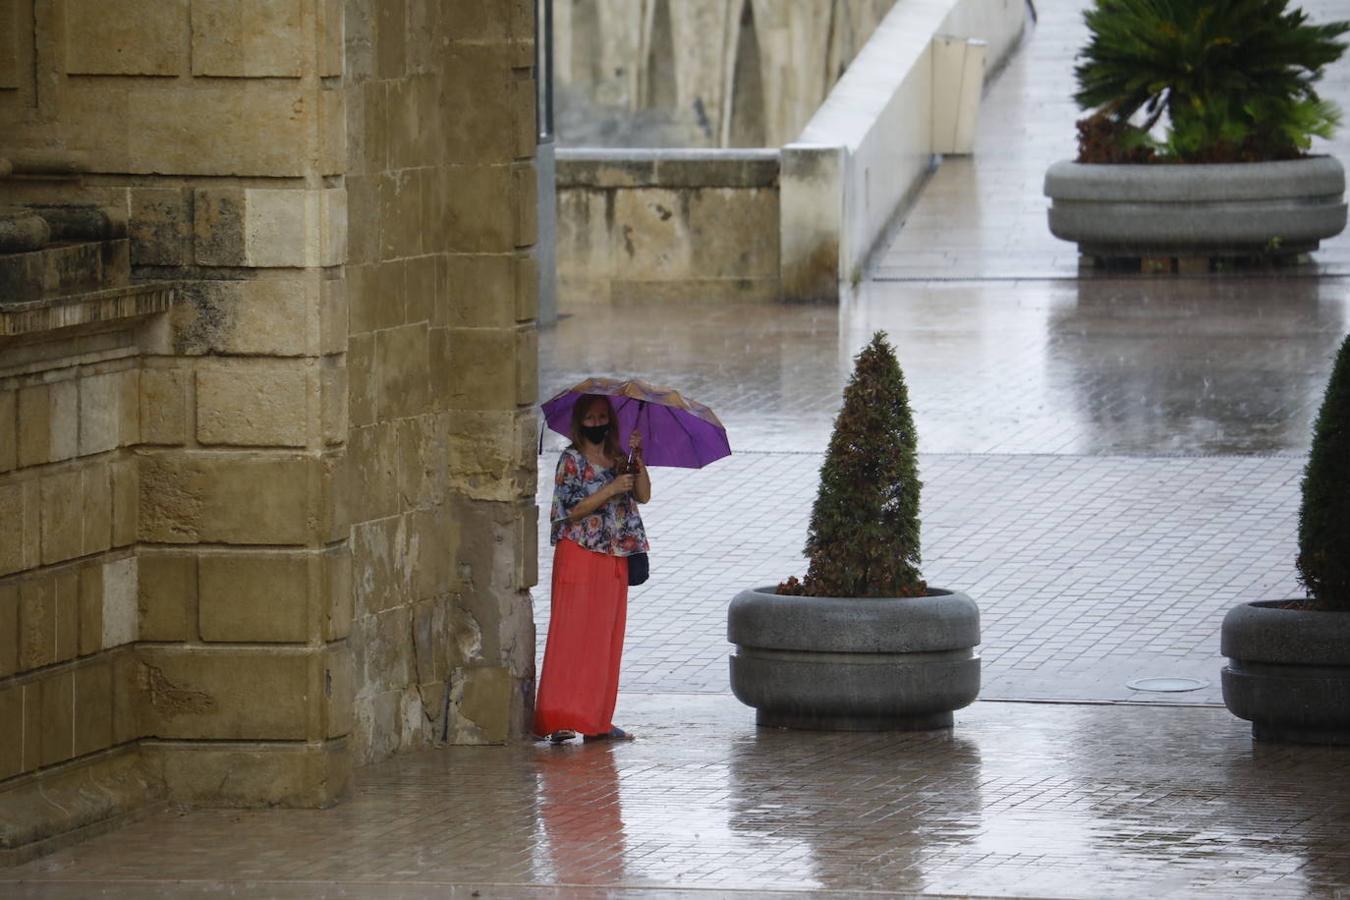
(562, 735)
(614, 734)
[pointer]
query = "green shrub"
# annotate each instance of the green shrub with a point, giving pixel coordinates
(1324, 519)
(864, 534)
(1233, 77)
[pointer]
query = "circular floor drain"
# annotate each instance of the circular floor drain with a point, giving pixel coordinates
(1166, 685)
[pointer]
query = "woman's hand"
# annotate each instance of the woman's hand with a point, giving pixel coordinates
(620, 485)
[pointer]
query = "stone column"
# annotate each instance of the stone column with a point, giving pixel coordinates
(442, 357)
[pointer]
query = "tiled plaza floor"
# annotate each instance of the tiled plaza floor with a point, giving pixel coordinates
(1109, 464)
(1021, 800)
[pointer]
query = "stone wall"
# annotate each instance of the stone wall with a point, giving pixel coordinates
(701, 73)
(443, 362)
(667, 224)
(287, 525)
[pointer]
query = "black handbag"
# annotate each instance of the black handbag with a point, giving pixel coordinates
(638, 570)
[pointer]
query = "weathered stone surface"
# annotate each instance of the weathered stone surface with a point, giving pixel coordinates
(255, 597)
(92, 708)
(262, 775)
(121, 613)
(87, 794)
(372, 457)
(124, 37)
(9, 430)
(361, 380)
(160, 226)
(401, 363)
(58, 700)
(12, 557)
(11, 724)
(482, 698)
(492, 365)
(96, 489)
(213, 693)
(247, 38)
(230, 498)
(333, 400)
(62, 517)
(337, 622)
(91, 608)
(67, 594)
(249, 128)
(9, 630)
(259, 404)
(125, 501)
(163, 405)
(380, 565)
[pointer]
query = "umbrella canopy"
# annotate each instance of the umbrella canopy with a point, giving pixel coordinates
(675, 431)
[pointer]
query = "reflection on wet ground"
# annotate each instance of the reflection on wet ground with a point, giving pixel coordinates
(1027, 800)
(1101, 367)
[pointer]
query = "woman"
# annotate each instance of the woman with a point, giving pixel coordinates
(595, 527)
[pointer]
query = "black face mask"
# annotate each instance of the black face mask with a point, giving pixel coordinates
(595, 433)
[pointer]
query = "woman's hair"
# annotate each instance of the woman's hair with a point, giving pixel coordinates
(583, 405)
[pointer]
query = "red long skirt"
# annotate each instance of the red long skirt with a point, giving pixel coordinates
(580, 680)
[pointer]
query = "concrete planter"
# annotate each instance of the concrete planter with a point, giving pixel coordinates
(1240, 209)
(1288, 672)
(854, 664)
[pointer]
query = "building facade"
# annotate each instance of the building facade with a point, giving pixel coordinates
(268, 361)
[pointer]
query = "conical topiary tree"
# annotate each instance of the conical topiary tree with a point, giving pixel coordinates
(1324, 519)
(864, 534)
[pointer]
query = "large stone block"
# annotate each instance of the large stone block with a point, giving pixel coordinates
(121, 611)
(401, 365)
(477, 286)
(167, 596)
(248, 38)
(361, 380)
(256, 403)
(258, 775)
(96, 527)
(431, 548)
(92, 707)
(9, 629)
(213, 694)
(164, 405)
(160, 226)
(9, 430)
(270, 227)
(125, 37)
(34, 425)
(261, 317)
(372, 470)
(333, 400)
(479, 209)
(381, 568)
(496, 368)
(492, 454)
(330, 38)
(391, 39)
(420, 285)
(333, 312)
(12, 556)
(401, 196)
(481, 699)
(11, 725)
(337, 624)
(232, 498)
(494, 119)
(257, 597)
(734, 233)
(125, 501)
(58, 733)
(250, 127)
(91, 608)
(67, 589)
(62, 517)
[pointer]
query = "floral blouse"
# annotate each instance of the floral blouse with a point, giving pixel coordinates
(615, 528)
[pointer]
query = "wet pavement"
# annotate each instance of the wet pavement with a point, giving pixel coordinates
(1020, 800)
(1110, 462)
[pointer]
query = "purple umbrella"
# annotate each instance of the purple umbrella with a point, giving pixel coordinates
(675, 431)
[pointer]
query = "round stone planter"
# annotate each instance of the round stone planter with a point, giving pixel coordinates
(1288, 672)
(1240, 209)
(854, 664)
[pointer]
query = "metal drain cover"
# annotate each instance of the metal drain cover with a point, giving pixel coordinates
(1166, 684)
